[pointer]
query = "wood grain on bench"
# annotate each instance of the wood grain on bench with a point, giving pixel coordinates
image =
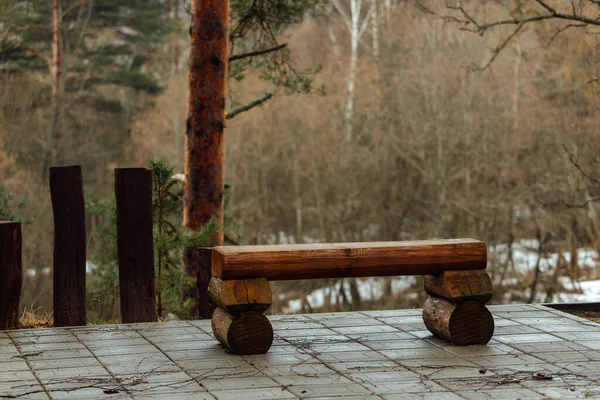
(337, 260)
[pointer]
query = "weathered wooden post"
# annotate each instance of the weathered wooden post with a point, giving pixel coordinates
(68, 206)
(135, 248)
(456, 308)
(11, 274)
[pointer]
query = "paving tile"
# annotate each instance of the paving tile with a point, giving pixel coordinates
(451, 372)
(579, 336)
(534, 348)
(36, 332)
(304, 369)
(158, 325)
(308, 340)
(304, 333)
(477, 383)
(400, 344)
(525, 314)
(85, 335)
(280, 359)
(528, 338)
(287, 325)
(185, 346)
(67, 373)
(365, 329)
(482, 350)
(330, 347)
(365, 366)
(87, 393)
(204, 325)
(214, 384)
(28, 389)
(251, 394)
(174, 396)
(499, 393)
(288, 317)
(353, 357)
(65, 338)
(328, 390)
(404, 354)
(571, 356)
(213, 364)
(36, 347)
(108, 350)
(15, 376)
(352, 322)
(410, 327)
(392, 313)
(504, 360)
(590, 344)
(424, 396)
(380, 336)
(590, 369)
(362, 355)
(517, 329)
(331, 378)
(82, 362)
(133, 342)
(435, 362)
(395, 374)
(17, 365)
(405, 387)
(215, 350)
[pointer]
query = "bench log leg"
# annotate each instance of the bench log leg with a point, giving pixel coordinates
(456, 310)
(238, 321)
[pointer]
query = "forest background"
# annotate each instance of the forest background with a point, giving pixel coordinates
(389, 120)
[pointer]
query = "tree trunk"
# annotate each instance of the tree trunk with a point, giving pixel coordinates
(204, 183)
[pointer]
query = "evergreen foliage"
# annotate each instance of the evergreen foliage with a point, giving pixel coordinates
(169, 240)
(6, 213)
(257, 25)
(104, 43)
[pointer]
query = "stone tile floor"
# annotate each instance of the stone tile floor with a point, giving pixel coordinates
(536, 353)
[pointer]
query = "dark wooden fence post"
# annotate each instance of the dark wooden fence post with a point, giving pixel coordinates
(11, 274)
(68, 206)
(133, 191)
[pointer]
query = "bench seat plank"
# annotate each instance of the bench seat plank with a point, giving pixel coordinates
(339, 260)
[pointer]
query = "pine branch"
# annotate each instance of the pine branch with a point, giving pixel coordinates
(249, 106)
(257, 53)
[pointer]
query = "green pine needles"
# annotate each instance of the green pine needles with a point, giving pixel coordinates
(169, 241)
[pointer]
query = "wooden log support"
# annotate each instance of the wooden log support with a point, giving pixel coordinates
(460, 286)
(464, 323)
(238, 296)
(248, 333)
(11, 274)
(347, 260)
(68, 206)
(135, 248)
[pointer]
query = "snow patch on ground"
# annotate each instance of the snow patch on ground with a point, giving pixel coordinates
(524, 255)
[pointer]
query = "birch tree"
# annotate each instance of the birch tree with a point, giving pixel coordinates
(356, 27)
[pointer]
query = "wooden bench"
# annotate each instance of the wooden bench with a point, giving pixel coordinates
(455, 279)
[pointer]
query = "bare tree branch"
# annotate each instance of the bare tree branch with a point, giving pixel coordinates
(498, 49)
(257, 53)
(249, 106)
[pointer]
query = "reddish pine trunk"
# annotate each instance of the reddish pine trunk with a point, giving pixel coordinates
(203, 197)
